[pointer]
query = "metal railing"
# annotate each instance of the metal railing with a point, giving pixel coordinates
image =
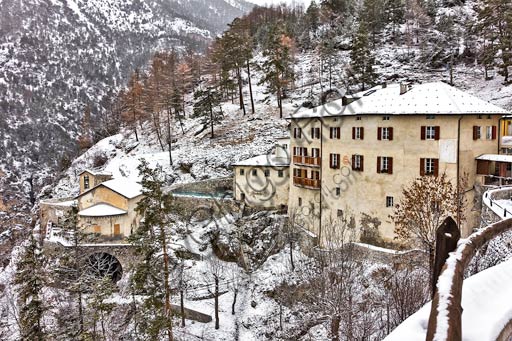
(307, 160)
(304, 182)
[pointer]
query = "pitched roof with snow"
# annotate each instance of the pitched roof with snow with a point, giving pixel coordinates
(122, 186)
(265, 161)
(101, 210)
(95, 173)
(430, 98)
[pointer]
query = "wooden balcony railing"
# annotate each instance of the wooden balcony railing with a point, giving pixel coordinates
(307, 160)
(304, 182)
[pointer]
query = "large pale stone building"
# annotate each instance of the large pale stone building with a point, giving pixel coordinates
(356, 154)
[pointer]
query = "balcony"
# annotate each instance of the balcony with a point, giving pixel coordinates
(307, 160)
(307, 183)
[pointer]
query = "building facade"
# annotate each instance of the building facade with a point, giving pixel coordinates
(354, 157)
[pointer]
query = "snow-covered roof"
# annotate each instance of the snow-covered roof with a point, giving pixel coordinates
(495, 157)
(484, 300)
(101, 210)
(436, 98)
(125, 187)
(95, 173)
(265, 160)
(122, 186)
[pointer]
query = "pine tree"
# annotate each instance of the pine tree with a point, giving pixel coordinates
(327, 52)
(207, 106)
(30, 279)
(102, 289)
(277, 67)
(312, 17)
(495, 24)
(152, 274)
(362, 58)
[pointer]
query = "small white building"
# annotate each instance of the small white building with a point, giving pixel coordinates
(263, 181)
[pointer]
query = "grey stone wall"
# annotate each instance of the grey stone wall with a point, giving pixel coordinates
(206, 186)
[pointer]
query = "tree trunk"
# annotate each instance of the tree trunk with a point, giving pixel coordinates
(234, 302)
(156, 124)
(291, 256)
(279, 103)
(280, 316)
(169, 137)
(168, 312)
(135, 126)
(335, 328)
(182, 308)
(211, 116)
(250, 86)
(216, 302)
(240, 92)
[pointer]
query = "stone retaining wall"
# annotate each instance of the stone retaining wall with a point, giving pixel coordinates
(206, 186)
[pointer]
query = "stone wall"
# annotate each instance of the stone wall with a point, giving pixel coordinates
(219, 185)
(199, 209)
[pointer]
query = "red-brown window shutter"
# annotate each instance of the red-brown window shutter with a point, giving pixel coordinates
(423, 130)
(353, 162)
(379, 133)
(437, 132)
(494, 131)
(422, 167)
(330, 133)
(353, 133)
(338, 130)
(378, 164)
(362, 133)
(390, 133)
(330, 160)
(390, 165)
(475, 132)
(436, 167)
(362, 163)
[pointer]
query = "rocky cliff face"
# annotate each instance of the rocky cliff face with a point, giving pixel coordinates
(59, 56)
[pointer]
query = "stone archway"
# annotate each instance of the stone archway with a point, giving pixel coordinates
(103, 264)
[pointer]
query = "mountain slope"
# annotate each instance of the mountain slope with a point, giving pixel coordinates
(56, 57)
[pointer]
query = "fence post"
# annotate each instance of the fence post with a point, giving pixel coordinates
(447, 237)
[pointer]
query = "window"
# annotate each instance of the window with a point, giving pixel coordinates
(315, 152)
(489, 117)
(242, 196)
(334, 161)
(488, 133)
(315, 133)
(338, 191)
(254, 172)
(315, 175)
(385, 118)
(430, 132)
(334, 133)
(284, 146)
(479, 117)
(300, 201)
(297, 133)
(357, 133)
(357, 162)
(429, 166)
(389, 201)
(300, 151)
(86, 181)
(358, 118)
(242, 171)
(477, 132)
(280, 173)
(385, 133)
(300, 173)
(266, 172)
(430, 117)
(339, 213)
(385, 164)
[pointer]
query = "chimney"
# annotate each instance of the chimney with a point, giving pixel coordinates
(344, 101)
(403, 88)
(384, 85)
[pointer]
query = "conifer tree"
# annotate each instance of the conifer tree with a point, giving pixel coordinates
(362, 59)
(30, 279)
(152, 274)
(131, 108)
(207, 106)
(495, 24)
(277, 67)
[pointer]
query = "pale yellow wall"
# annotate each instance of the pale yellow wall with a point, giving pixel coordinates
(259, 190)
(365, 192)
(94, 180)
(102, 194)
(128, 222)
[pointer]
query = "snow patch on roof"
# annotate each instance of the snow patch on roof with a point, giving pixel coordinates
(429, 98)
(495, 157)
(124, 187)
(101, 210)
(265, 160)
